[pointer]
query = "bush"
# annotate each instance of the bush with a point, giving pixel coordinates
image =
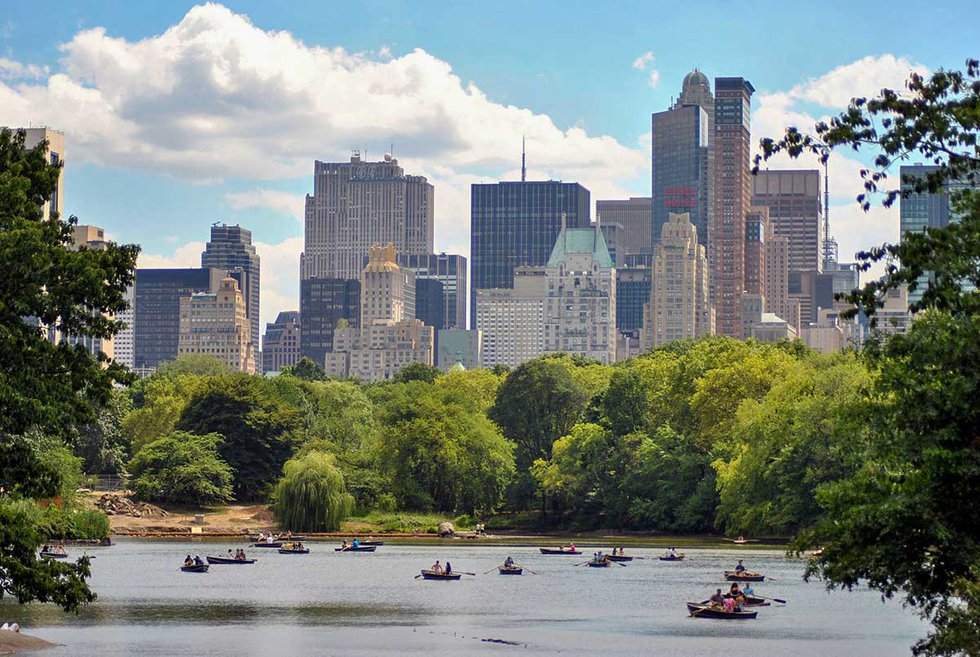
(183, 468)
(311, 496)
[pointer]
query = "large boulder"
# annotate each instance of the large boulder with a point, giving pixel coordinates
(446, 529)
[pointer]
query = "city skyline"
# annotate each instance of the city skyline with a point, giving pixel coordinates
(189, 171)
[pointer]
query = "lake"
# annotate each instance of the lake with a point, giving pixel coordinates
(327, 603)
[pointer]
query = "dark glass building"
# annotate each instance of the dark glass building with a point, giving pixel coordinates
(430, 305)
(323, 303)
(681, 152)
(157, 294)
(514, 224)
(632, 294)
(450, 271)
(231, 249)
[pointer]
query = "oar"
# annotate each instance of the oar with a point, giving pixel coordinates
(782, 602)
(491, 570)
(530, 571)
(417, 576)
(461, 572)
(583, 563)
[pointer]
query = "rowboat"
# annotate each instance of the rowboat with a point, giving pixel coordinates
(750, 601)
(599, 564)
(431, 574)
(196, 568)
(370, 543)
(228, 560)
(704, 611)
(360, 548)
(292, 550)
(746, 576)
(54, 555)
(678, 557)
(559, 551)
(267, 545)
(618, 557)
(281, 537)
(510, 570)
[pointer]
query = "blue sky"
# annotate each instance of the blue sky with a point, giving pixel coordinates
(177, 116)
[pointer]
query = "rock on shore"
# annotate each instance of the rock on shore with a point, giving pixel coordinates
(11, 642)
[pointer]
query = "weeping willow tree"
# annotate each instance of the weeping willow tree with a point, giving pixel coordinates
(312, 496)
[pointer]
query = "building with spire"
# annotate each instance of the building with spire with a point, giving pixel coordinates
(567, 305)
(679, 306)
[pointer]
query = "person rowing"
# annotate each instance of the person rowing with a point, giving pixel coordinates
(748, 591)
(188, 561)
(740, 568)
(509, 562)
(270, 539)
(717, 600)
(437, 568)
(356, 544)
(672, 553)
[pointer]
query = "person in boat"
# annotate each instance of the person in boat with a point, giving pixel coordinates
(436, 568)
(717, 600)
(198, 561)
(289, 533)
(356, 544)
(344, 545)
(740, 567)
(672, 553)
(737, 595)
(188, 561)
(261, 537)
(571, 547)
(509, 562)
(747, 591)
(449, 568)
(270, 539)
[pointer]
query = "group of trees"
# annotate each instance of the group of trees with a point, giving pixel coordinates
(873, 456)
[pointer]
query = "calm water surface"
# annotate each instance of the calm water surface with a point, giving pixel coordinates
(327, 603)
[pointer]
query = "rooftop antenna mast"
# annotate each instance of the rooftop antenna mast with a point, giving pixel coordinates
(829, 243)
(523, 158)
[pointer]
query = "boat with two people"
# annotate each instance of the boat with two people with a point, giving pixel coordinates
(440, 572)
(672, 555)
(53, 551)
(195, 565)
(563, 549)
(619, 556)
(294, 548)
(237, 558)
(356, 546)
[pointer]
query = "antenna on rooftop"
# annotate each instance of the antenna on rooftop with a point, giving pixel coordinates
(523, 158)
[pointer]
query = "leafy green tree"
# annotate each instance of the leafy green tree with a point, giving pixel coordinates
(311, 496)
(196, 364)
(475, 388)
(440, 453)
(906, 521)
(577, 478)
(101, 444)
(258, 430)
(182, 468)
(306, 369)
(417, 372)
(159, 401)
(46, 387)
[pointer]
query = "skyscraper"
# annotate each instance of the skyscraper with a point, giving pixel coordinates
(216, 324)
(795, 210)
(757, 229)
(281, 343)
(450, 271)
(357, 204)
(231, 249)
(681, 156)
(679, 305)
(56, 155)
(777, 281)
(514, 224)
(633, 216)
(157, 294)
(325, 303)
(732, 198)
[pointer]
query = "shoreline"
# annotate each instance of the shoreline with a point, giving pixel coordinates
(14, 642)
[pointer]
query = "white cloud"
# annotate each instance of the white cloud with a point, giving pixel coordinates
(272, 199)
(641, 62)
(863, 78)
(654, 79)
(187, 255)
(9, 69)
(215, 96)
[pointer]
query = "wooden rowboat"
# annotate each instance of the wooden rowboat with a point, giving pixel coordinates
(599, 564)
(430, 574)
(750, 601)
(704, 611)
(361, 548)
(510, 570)
(733, 576)
(559, 551)
(679, 557)
(618, 557)
(267, 545)
(54, 555)
(285, 550)
(228, 560)
(196, 568)
(374, 543)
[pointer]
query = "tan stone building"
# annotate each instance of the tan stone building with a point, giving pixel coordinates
(216, 324)
(389, 336)
(679, 306)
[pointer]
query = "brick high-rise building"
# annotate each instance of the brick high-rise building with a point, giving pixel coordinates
(732, 199)
(795, 210)
(633, 216)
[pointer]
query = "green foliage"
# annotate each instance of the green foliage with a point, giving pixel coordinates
(306, 369)
(311, 496)
(440, 453)
(417, 372)
(159, 399)
(905, 521)
(66, 522)
(258, 430)
(46, 388)
(101, 444)
(196, 364)
(182, 468)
